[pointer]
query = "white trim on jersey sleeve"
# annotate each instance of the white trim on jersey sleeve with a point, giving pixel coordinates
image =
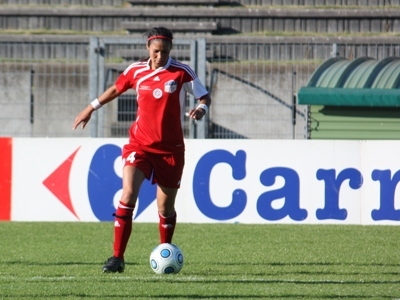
(178, 64)
(135, 64)
(195, 87)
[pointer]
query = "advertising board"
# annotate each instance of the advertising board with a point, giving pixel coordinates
(245, 181)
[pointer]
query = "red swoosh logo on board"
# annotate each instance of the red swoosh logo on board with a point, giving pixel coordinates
(58, 183)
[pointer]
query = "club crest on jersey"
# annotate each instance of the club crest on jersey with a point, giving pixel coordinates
(157, 93)
(170, 86)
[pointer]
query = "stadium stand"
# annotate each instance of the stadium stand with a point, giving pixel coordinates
(311, 3)
(205, 20)
(183, 54)
(181, 27)
(174, 2)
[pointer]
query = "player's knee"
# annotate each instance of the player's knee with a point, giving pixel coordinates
(166, 211)
(128, 198)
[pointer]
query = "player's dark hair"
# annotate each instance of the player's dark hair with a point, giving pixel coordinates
(158, 33)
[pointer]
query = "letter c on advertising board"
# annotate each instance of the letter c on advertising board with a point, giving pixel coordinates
(201, 184)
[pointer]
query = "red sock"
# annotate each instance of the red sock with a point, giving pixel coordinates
(166, 227)
(122, 228)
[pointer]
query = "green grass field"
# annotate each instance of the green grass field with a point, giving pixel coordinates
(222, 261)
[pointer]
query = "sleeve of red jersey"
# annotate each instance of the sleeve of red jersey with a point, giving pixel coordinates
(123, 83)
(192, 84)
(196, 88)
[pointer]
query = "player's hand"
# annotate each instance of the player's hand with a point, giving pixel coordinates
(83, 118)
(197, 113)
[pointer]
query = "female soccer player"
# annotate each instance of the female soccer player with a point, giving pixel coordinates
(156, 144)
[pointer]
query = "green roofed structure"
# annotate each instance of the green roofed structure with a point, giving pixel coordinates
(354, 99)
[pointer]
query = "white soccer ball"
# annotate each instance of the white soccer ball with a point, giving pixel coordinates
(166, 259)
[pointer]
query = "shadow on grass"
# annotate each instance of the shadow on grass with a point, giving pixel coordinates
(56, 263)
(243, 263)
(306, 264)
(191, 296)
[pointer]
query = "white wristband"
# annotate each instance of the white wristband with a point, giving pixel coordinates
(96, 104)
(203, 106)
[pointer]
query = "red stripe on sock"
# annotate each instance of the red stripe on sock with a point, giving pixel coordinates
(5, 178)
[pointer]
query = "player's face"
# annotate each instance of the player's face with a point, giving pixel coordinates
(159, 52)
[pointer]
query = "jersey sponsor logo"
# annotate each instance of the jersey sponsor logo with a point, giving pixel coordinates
(170, 86)
(144, 87)
(157, 93)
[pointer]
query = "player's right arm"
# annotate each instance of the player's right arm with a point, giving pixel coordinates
(84, 116)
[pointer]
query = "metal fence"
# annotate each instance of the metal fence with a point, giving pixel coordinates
(46, 81)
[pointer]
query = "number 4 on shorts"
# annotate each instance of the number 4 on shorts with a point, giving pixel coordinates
(131, 157)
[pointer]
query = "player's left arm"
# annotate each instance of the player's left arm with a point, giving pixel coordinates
(200, 111)
(196, 88)
(84, 116)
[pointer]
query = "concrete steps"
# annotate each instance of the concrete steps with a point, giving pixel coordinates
(189, 27)
(219, 48)
(217, 20)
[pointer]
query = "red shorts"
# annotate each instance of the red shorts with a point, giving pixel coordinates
(166, 169)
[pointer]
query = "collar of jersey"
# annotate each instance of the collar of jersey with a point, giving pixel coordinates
(163, 67)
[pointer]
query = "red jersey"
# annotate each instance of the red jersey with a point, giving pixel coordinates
(161, 95)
